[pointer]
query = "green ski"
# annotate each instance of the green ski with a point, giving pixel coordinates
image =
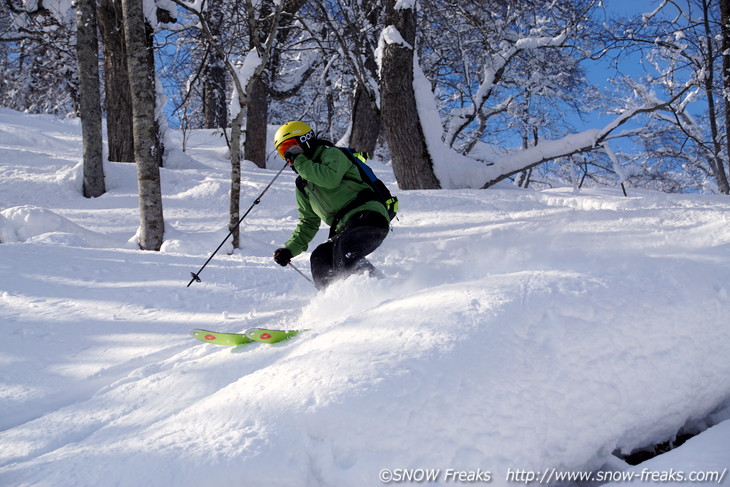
(269, 336)
(249, 336)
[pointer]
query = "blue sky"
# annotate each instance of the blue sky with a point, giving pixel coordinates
(624, 7)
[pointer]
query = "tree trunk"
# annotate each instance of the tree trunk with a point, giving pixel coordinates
(147, 149)
(725, 32)
(257, 112)
(716, 163)
(87, 54)
(234, 208)
(366, 118)
(365, 122)
(215, 109)
(156, 134)
(412, 162)
(215, 103)
(120, 138)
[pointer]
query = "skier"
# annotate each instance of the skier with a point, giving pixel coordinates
(329, 189)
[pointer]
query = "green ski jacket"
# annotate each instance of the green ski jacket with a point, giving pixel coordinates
(332, 182)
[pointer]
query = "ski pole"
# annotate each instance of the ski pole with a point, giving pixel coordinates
(196, 275)
(302, 274)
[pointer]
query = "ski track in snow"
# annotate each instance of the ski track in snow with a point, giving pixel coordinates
(516, 330)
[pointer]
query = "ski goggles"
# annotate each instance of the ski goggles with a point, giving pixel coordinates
(286, 145)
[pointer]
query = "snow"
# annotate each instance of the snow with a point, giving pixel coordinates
(245, 71)
(517, 329)
(405, 5)
(452, 169)
(60, 8)
(705, 453)
(390, 35)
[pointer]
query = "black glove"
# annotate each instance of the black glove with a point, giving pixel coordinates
(292, 153)
(282, 256)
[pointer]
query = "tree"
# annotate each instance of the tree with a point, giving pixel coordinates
(681, 44)
(215, 107)
(504, 67)
(412, 163)
(147, 148)
(245, 72)
(366, 116)
(467, 92)
(725, 49)
(257, 104)
(42, 76)
(351, 40)
(257, 108)
(716, 161)
(245, 79)
(120, 137)
(485, 64)
(87, 54)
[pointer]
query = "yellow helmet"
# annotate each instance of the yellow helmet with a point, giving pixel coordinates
(300, 131)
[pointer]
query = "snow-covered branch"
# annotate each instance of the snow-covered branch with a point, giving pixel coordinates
(494, 71)
(586, 141)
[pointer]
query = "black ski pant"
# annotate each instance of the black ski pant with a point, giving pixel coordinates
(344, 254)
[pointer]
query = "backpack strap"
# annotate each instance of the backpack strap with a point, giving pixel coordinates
(381, 192)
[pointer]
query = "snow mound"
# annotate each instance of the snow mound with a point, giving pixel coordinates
(177, 159)
(38, 225)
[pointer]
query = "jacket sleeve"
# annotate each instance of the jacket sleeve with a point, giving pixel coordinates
(307, 227)
(328, 172)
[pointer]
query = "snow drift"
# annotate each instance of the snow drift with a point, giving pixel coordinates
(516, 330)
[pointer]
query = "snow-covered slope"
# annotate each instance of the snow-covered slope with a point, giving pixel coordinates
(517, 330)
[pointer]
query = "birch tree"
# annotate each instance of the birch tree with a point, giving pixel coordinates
(147, 147)
(244, 72)
(87, 55)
